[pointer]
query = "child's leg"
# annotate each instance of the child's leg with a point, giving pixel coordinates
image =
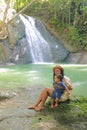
(52, 103)
(56, 102)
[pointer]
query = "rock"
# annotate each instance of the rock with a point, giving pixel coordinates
(7, 95)
(16, 31)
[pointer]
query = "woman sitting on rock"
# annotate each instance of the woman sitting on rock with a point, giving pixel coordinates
(46, 92)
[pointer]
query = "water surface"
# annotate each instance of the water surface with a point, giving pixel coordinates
(41, 74)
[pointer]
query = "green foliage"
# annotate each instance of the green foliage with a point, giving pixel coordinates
(19, 4)
(73, 34)
(69, 113)
(66, 16)
(36, 8)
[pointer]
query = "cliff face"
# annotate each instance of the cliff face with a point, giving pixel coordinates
(14, 48)
(76, 55)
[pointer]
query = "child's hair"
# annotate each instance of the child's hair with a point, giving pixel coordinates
(60, 77)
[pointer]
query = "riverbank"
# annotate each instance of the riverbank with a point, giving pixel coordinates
(14, 114)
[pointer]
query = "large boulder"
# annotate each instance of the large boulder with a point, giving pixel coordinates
(16, 31)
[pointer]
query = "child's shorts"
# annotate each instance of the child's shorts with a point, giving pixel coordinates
(56, 94)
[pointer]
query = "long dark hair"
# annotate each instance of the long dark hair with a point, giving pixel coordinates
(60, 68)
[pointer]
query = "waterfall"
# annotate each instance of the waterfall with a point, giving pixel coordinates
(39, 48)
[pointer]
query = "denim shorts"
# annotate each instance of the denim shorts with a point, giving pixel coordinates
(56, 94)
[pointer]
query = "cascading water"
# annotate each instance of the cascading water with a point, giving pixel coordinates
(39, 48)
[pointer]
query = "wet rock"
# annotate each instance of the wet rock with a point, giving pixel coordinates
(7, 95)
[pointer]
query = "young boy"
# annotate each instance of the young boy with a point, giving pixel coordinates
(59, 88)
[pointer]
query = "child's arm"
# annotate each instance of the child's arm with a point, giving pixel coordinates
(54, 86)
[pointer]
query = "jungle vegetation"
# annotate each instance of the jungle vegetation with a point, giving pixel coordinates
(67, 17)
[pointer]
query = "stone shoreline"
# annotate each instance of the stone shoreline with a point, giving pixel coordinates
(14, 114)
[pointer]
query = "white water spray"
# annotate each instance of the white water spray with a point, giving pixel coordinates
(39, 48)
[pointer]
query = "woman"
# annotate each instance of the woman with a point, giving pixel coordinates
(46, 92)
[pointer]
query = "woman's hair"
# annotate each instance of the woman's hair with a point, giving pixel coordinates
(60, 68)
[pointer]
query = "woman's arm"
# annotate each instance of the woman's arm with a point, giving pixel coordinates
(67, 83)
(66, 88)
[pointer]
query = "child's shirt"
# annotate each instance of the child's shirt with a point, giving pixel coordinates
(59, 87)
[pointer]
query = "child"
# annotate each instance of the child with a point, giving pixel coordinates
(59, 88)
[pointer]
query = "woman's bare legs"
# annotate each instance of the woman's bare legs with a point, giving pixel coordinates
(39, 105)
